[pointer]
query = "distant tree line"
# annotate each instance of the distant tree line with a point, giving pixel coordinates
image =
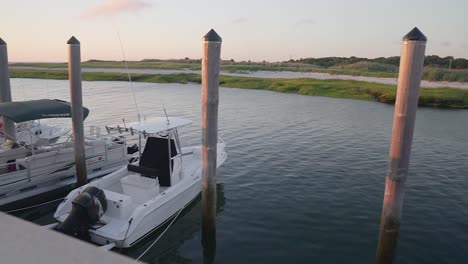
(327, 62)
(431, 60)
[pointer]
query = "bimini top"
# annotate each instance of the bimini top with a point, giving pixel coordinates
(37, 109)
(158, 124)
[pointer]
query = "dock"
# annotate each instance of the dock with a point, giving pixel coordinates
(24, 242)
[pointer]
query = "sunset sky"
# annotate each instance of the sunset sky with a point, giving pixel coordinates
(37, 30)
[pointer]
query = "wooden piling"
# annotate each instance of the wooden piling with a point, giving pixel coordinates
(409, 79)
(74, 75)
(5, 90)
(210, 100)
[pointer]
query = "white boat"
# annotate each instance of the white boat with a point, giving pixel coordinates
(38, 166)
(125, 206)
(35, 133)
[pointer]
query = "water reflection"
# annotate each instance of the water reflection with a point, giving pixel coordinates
(185, 230)
(208, 240)
(208, 243)
(305, 175)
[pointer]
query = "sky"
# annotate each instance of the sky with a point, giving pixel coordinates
(37, 30)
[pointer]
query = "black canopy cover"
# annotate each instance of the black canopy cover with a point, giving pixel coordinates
(37, 109)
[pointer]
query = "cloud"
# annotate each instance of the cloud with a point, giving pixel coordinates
(240, 20)
(446, 44)
(306, 21)
(464, 45)
(114, 7)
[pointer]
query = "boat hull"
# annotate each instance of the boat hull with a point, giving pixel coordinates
(154, 220)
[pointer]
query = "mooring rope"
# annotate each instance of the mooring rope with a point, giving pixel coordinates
(159, 237)
(34, 206)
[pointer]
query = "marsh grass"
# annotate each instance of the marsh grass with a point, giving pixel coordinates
(430, 97)
(362, 68)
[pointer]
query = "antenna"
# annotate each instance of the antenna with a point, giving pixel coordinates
(167, 118)
(129, 78)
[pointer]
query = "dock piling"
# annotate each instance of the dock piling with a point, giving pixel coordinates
(5, 91)
(76, 96)
(409, 79)
(210, 100)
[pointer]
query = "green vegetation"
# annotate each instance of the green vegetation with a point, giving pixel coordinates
(436, 68)
(105, 76)
(433, 61)
(430, 97)
(143, 64)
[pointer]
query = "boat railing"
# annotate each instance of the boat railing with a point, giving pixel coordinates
(27, 160)
(95, 131)
(23, 174)
(118, 130)
(185, 153)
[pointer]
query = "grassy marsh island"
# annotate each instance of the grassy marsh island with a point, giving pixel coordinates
(429, 97)
(436, 68)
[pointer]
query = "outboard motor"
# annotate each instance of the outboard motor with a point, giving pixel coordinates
(132, 149)
(87, 208)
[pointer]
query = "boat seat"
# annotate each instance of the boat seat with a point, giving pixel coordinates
(140, 188)
(144, 171)
(118, 205)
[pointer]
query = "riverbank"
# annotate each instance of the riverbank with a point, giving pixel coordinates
(263, 75)
(429, 97)
(367, 69)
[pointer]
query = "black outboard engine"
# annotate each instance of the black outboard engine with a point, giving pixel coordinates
(132, 149)
(87, 208)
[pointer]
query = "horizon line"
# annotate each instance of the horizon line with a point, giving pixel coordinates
(254, 61)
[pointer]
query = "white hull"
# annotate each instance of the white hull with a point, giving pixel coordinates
(154, 219)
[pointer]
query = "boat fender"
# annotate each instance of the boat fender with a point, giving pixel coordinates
(87, 208)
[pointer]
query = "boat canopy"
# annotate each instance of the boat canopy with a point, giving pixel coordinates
(157, 124)
(37, 109)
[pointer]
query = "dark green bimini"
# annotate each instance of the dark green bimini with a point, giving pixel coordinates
(37, 109)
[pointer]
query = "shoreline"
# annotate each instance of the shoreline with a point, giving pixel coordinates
(262, 74)
(442, 97)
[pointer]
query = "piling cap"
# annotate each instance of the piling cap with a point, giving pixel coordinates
(73, 41)
(2, 43)
(212, 36)
(415, 35)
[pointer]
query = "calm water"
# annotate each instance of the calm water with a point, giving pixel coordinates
(304, 178)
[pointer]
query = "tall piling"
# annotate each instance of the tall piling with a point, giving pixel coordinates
(5, 90)
(409, 79)
(74, 75)
(210, 100)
